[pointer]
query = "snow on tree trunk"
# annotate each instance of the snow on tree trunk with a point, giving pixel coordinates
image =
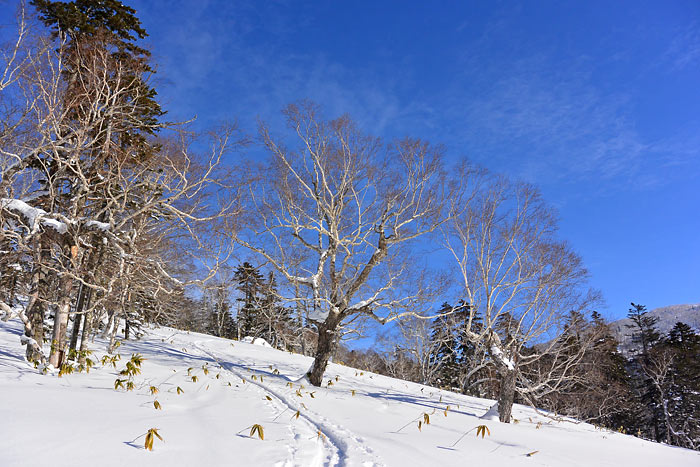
(108, 327)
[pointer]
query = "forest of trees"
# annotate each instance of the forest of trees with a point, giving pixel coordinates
(113, 217)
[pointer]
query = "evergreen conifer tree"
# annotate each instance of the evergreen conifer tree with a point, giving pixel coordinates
(645, 337)
(611, 381)
(444, 358)
(89, 30)
(471, 357)
(683, 385)
(251, 285)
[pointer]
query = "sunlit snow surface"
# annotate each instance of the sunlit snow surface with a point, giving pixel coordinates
(80, 420)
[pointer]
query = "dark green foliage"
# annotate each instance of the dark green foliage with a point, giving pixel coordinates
(600, 391)
(648, 416)
(612, 381)
(114, 26)
(262, 314)
(473, 367)
(455, 361)
(275, 320)
(250, 284)
(664, 379)
(87, 17)
(218, 308)
(644, 333)
(445, 357)
(682, 385)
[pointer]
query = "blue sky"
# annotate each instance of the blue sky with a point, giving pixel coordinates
(598, 103)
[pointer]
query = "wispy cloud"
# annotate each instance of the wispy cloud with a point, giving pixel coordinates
(547, 123)
(525, 110)
(684, 49)
(238, 62)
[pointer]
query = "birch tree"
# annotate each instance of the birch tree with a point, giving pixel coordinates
(331, 213)
(523, 282)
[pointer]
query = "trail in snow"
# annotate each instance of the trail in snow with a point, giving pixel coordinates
(328, 456)
(346, 448)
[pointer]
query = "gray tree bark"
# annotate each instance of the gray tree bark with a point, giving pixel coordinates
(506, 395)
(327, 341)
(87, 328)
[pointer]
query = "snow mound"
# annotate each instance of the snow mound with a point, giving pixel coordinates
(491, 414)
(256, 341)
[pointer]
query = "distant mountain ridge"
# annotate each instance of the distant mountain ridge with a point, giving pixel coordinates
(668, 316)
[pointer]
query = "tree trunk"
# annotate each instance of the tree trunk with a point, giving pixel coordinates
(10, 299)
(327, 340)
(79, 315)
(60, 324)
(36, 332)
(300, 319)
(74, 336)
(506, 395)
(84, 336)
(108, 327)
(87, 325)
(37, 308)
(113, 334)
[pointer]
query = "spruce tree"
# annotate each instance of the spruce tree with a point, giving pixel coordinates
(444, 358)
(251, 285)
(81, 20)
(470, 358)
(683, 398)
(644, 333)
(89, 30)
(610, 381)
(275, 320)
(645, 336)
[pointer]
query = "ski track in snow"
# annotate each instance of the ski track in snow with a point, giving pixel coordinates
(324, 456)
(345, 448)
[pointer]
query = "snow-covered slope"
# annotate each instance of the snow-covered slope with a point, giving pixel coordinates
(361, 419)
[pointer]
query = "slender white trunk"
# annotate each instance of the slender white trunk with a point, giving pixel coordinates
(60, 325)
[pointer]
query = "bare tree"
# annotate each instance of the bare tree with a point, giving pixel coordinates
(522, 281)
(330, 216)
(415, 339)
(659, 369)
(92, 203)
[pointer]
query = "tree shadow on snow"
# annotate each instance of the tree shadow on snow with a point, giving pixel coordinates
(417, 400)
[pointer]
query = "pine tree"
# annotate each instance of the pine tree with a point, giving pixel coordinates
(471, 357)
(88, 30)
(644, 333)
(275, 320)
(444, 358)
(683, 386)
(645, 337)
(251, 285)
(610, 383)
(218, 306)
(113, 25)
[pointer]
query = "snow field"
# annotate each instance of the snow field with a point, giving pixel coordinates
(360, 419)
